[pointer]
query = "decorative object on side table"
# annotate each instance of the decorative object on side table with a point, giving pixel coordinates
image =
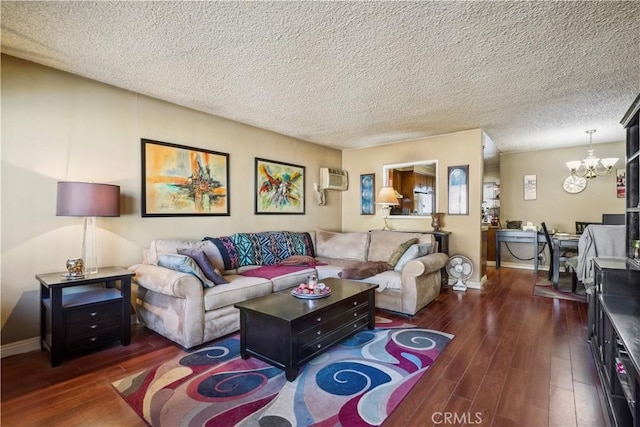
(75, 268)
(88, 200)
(436, 220)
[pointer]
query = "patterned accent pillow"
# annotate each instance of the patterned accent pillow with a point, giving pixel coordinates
(205, 265)
(228, 251)
(184, 264)
(400, 250)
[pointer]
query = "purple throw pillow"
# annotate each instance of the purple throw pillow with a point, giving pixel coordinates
(205, 265)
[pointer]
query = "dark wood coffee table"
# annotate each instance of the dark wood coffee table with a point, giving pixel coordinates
(286, 331)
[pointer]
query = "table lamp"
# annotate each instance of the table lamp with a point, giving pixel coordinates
(88, 200)
(386, 198)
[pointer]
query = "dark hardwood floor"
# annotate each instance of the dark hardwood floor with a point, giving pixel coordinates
(516, 360)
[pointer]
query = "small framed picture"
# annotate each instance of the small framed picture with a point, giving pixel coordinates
(279, 188)
(530, 186)
(621, 183)
(367, 194)
(458, 177)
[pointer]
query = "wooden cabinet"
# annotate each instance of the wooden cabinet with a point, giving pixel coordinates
(84, 320)
(632, 220)
(618, 358)
(614, 316)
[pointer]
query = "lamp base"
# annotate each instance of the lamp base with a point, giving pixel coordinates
(89, 245)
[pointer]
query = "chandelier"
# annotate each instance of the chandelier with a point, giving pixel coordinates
(591, 166)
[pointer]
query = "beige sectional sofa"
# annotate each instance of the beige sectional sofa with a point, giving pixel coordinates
(177, 305)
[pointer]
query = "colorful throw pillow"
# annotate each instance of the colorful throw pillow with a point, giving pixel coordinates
(227, 250)
(205, 265)
(364, 270)
(414, 251)
(184, 264)
(400, 250)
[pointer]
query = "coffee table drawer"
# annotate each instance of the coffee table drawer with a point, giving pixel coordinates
(330, 324)
(338, 309)
(306, 352)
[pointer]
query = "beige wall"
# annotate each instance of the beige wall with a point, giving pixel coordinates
(57, 126)
(557, 208)
(450, 150)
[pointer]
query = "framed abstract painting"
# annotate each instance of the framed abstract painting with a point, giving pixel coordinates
(279, 188)
(367, 194)
(183, 181)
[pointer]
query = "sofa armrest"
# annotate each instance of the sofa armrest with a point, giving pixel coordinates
(424, 265)
(166, 281)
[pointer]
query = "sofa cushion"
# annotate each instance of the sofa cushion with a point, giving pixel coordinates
(364, 270)
(383, 243)
(205, 265)
(239, 288)
(348, 246)
(415, 251)
(400, 250)
(184, 264)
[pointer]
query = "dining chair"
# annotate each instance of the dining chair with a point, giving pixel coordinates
(581, 225)
(563, 256)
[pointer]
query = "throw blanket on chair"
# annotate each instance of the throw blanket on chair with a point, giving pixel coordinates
(598, 241)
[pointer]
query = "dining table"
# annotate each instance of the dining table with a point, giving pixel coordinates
(561, 242)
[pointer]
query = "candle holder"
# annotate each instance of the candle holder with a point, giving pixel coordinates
(75, 268)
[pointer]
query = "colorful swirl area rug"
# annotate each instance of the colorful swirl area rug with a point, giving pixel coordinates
(359, 382)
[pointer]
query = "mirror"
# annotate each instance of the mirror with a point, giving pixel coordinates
(415, 185)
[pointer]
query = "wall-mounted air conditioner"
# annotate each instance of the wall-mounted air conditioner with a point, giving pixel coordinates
(334, 179)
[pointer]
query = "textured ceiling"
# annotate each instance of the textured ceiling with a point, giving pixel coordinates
(533, 75)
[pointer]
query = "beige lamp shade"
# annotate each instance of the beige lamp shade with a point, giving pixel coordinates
(387, 196)
(87, 199)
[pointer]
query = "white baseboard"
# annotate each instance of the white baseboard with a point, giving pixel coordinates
(19, 347)
(32, 344)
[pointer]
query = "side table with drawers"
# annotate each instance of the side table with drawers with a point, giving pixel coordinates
(78, 321)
